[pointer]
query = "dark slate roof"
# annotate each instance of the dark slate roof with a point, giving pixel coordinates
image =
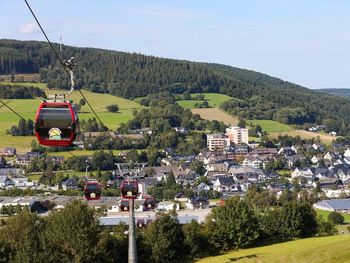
(226, 181)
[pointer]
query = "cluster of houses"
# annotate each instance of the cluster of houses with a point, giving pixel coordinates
(231, 165)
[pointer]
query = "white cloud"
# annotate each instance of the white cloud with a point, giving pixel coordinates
(29, 28)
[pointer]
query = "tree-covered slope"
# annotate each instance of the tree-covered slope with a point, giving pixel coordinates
(337, 92)
(133, 75)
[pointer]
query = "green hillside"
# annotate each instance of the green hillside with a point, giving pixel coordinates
(333, 249)
(135, 75)
(27, 108)
(337, 92)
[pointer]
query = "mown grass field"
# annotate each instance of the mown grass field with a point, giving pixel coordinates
(325, 138)
(325, 214)
(214, 100)
(271, 126)
(216, 114)
(27, 108)
(333, 249)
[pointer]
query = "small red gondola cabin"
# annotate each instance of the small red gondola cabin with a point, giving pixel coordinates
(56, 123)
(92, 190)
(129, 189)
(124, 205)
(149, 203)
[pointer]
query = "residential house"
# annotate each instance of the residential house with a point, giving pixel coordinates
(286, 151)
(225, 184)
(25, 159)
(22, 182)
(318, 147)
(198, 202)
(305, 172)
(294, 160)
(70, 183)
(6, 181)
(333, 157)
(240, 173)
(145, 183)
(256, 161)
(202, 187)
(342, 171)
(315, 159)
(181, 130)
(180, 197)
(10, 151)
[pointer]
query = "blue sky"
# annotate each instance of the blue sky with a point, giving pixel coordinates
(303, 41)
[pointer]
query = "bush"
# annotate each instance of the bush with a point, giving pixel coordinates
(335, 218)
(112, 108)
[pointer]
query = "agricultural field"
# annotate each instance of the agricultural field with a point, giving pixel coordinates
(214, 100)
(271, 126)
(216, 114)
(321, 249)
(83, 153)
(28, 107)
(325, 138)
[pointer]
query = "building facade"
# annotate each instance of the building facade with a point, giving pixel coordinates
(216, 142)
(237, 135)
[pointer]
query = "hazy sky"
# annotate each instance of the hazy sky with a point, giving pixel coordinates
(302, 41)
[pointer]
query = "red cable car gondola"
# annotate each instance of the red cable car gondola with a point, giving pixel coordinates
(92, 190)
(56, 123)
(129, 189)
(149, 203)
(124, 205)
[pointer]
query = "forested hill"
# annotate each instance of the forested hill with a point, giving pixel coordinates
(132, 75)
(337, 92)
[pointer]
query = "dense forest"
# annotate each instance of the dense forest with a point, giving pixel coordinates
(134, 75)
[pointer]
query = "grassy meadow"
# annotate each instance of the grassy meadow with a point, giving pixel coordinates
(271, 126)
(334, 249)
(27, 108)
(214, 100)
(216, 114)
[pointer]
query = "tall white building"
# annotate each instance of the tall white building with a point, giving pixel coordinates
(237, 135)
(217, 142)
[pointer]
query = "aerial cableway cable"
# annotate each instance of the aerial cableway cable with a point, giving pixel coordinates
(5, 104)
(63, 63)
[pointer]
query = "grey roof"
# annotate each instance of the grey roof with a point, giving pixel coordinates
(336, 204)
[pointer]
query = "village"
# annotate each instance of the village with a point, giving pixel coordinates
(228, 167)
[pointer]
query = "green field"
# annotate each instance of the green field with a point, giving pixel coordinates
(322, 249)
(28, 107)
(271, 126)
(325, 214)
(214, 100)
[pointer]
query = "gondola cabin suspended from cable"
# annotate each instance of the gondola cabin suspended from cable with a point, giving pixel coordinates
(149, 203)
(56, 123)
(92, 190)
(130, 189)
(124, 205)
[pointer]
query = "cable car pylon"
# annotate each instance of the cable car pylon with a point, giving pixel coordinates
(132, 251)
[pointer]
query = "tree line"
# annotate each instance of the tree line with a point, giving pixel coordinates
(20, 92)
(74, 234)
